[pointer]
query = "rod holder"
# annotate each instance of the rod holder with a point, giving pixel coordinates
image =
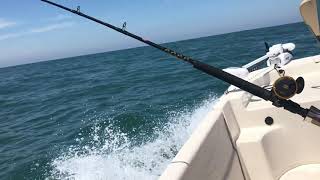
(314, 114)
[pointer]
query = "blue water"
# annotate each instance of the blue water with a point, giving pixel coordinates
(121, 114)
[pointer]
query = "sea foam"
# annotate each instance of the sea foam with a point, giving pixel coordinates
(112, 156)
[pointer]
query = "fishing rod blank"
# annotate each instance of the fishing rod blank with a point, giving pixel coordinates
(208, 69)
(213, 71)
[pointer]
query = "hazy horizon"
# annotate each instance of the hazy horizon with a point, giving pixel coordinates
(143, 45)
(48, 33)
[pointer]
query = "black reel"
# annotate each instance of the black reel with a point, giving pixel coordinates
(286, 87)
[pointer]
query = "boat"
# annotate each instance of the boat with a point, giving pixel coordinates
(247, 138)
(264, 127)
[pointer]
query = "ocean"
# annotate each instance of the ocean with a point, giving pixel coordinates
(121, 114)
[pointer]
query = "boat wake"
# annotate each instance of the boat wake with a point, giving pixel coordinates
(112, 155)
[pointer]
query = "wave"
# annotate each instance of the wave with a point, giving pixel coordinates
(111, 155)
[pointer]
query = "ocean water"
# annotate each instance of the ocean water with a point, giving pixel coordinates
(122, 114)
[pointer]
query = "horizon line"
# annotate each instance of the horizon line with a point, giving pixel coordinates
(142, 46)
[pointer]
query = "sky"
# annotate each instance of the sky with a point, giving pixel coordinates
(32, 31)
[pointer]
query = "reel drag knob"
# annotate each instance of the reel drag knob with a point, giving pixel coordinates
(300, 83)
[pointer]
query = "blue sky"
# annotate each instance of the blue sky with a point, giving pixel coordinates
(32, 31)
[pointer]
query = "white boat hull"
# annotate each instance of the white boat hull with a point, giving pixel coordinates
(233, 142)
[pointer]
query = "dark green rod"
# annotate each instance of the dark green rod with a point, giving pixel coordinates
(208, 69)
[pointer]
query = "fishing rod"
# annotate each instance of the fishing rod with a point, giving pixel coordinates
(265, 94)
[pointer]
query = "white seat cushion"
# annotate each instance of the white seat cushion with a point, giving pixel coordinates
(308, 172)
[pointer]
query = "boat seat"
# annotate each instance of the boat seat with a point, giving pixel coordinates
(309, 172)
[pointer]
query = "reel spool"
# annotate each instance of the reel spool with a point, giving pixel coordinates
(286, 87)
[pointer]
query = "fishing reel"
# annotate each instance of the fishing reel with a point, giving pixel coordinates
(279, 54)
(286, 87)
